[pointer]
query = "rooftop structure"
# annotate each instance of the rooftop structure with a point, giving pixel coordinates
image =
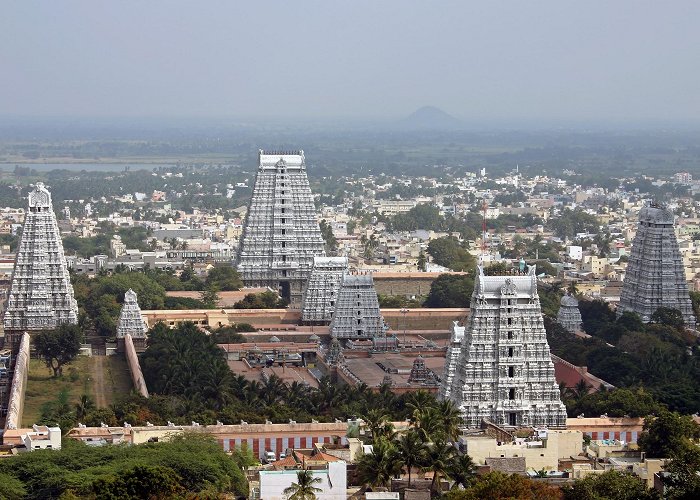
(569, 315)
(322, 289)
(655, 275)
(281, 235)
(357, 314)
(504, 373)
(41, 294)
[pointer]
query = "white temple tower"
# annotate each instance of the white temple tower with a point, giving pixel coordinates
(281, 235)
(569, 315)
(655, 275)
(504, 373)
(41, 294)
(357, 314)
(131, 322)
(322, 289)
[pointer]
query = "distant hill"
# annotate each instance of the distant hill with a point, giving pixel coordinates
(430, 117)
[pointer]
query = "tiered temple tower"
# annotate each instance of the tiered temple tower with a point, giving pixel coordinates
(454, 350)
(281, 235)
(655, 275)
(505, 373)
(569, 315)
(41, 294)
(131, 323)
(322, 290)
(357, 314)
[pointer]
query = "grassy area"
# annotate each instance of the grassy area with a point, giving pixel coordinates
(103, 379)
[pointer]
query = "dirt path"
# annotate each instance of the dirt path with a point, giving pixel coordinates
(98, 380)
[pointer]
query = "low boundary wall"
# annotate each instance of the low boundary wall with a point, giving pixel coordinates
(132, 360)
(15, 405)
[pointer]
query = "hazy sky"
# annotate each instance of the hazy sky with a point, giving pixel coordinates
(549, 60)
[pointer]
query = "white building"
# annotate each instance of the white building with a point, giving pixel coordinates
(333, 483)
(42, 438)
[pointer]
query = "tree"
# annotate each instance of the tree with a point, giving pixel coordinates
(380, 465)
(264, 300)
(225, 278)
(612, 484)
(668, 316)
(328, 237)
(449, 252)
(304, 488)
(412, 450)
(142, 481)
(462, 470)
(497, 485)
(210, 297)
(422, 261)
(450, 290)
(683, 481)
(438, 461)
(667, 434)
(58, 347)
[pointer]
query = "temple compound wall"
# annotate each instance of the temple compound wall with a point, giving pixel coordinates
(132, 360)
(15, 404)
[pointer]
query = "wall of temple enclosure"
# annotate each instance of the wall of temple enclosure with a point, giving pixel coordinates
(15, 404)
(132, 360)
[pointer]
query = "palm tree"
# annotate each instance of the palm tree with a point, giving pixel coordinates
(462, 470)
(378, 467)
(429, 424)
(375, 420)
(304, 488)
(412, 450)
(451, 419)
(439, 459)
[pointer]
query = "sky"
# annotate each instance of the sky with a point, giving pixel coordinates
(535, 60)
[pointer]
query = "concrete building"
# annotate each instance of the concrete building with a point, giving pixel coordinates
(655, 274)
(504, 373)
(333, 484)
(41, 294)
(281, 235)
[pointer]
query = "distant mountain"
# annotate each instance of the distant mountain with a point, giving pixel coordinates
(430, 117)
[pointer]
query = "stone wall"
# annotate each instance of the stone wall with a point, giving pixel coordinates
(134, 367)
(15, 404)
(423, 318)
(404, 284)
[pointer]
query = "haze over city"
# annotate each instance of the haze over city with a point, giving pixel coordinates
(483, 62)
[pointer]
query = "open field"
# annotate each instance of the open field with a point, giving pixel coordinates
(102, 378)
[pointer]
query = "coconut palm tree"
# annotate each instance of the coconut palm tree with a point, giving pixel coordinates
(451, 419)
(412, 450)
(439, 460)
(378, 467)
(304, 488)
(462, 470)
(376, 420)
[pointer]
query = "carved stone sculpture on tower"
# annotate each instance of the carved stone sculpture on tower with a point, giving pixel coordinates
(655, 275)
(322, 290)
(504, 372)
(357, 314)
(41, 294)
(131, 322)
(569, 315)
(281, 235)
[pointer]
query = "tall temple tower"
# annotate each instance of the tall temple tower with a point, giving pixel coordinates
(357, 314)
(322, 289)
(281, 235)
(655, 274)
(41, 294)
(504, 372)
(131, 323)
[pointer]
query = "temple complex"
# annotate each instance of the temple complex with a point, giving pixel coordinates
(322, 290)
(41, 294)
(569, 315)
(131, 323)
(357, 314)
(504, 372)
(281, 235)
(655, 275)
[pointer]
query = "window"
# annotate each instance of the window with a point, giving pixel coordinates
(284, 221)
(332, 303)
(284, 244)
(511, 394)
(510, 352)
(284, 231)
(511, 371)
(510, 335)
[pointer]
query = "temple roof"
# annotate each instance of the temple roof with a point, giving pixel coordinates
(569, 300)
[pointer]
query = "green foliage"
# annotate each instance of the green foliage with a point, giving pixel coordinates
(224, 278)
(210, 298)
(614, 485)
(683, 481)
(398, 301)
(571, 222)
(263, 300)
(451, 253)
(11, 488)
(497, 485)
(667, 434)
(191, 464)
(58, 347)
(669, 317)
(616, 403)
(419, 217)
(304, 488)
(132, 237)
(328, 237)
(450, 290)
